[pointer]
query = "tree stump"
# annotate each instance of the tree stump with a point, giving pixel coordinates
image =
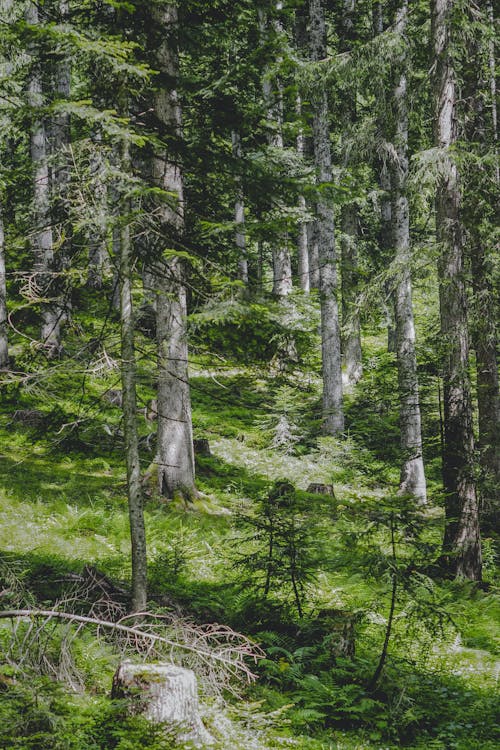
(321, 489)
(164, 694)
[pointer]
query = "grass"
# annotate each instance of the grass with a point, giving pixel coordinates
(63, 505)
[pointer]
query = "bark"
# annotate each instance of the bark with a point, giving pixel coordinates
(488, 397)
(239, 213)
(493, 87)
(164, 694)
(302, 233)
(129, 407)
(4, 341)
(97, 235)
(44, 267)
(412, 479)
(312, 242)
(60, 143)
(273, 101)
(302, 228)
(333, 414)
(350, 313)
(462, 543)
(349, 237)
(175, 458)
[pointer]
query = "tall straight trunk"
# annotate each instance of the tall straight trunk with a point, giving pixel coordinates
(98, 258)
(485, 335)
(312, 243)
(302, 227)
(239, 213)
(412, 470)
(129, 407)
(175, 456)
(351, 344)
(45, 272)
(462, 542)
(4, 341)
(352, 353)
(488, 397)
(384, 180)
(273, 101)
(302, 233)
(493, 87)
(60, 145)
(333, 413)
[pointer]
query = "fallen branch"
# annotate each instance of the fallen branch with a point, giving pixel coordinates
(230, 649)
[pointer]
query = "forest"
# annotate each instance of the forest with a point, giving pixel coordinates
(250, 411)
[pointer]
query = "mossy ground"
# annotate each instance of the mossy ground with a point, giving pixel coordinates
(63, 505)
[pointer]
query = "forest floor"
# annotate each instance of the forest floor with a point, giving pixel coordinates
(63, 506)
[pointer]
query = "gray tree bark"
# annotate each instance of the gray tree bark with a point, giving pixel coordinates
(462, 542)
(273, 101)
(352, 353)
(44, 267)
(351, 329)
(412, 471)
(175, 457)
(4, 340)
(129, 407)
(333, 413)
(239, 214)
(302, 233)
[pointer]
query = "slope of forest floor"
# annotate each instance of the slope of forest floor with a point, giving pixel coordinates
(63, 506)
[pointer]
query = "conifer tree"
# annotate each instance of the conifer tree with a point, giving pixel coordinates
(462, 541)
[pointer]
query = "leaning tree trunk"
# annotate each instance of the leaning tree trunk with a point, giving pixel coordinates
(45, 273)
(412, 471)
(4, 341)
(462, 541)
(333, 413)
(175, 456)
(239, 212)
(129, 407)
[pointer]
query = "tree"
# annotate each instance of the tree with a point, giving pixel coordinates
(45, 270)
(333, 413)
(175, 456)
(412, 471)
(462, 541)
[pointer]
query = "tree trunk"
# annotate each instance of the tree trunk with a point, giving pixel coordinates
(164, 694)
(60, 145)
(302, 234)
(129, 407)
(488, 398)
(175, 457)
(97, 233)
(273, 101)
(239, 213)
(45, 274)
(462, 541)
(4, 341)
(412, 470)
(350, 312)
(349, 238)
(333, 414)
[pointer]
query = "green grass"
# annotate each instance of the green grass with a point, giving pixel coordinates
(63, 505)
